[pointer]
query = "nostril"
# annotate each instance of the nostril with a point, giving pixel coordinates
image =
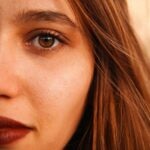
(4, 96)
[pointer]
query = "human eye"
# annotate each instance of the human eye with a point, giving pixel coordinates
(44, 41)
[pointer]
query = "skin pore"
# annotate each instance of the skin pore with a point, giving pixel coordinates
(43, 87)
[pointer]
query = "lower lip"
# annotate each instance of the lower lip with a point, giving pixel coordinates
(9, 135)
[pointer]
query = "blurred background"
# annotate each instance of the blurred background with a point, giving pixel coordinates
(140, 14)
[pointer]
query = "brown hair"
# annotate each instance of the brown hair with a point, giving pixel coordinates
(117, 116)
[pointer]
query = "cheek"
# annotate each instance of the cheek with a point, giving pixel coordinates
(62, 86)
(59, 95)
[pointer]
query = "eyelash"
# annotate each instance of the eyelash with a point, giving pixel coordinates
(33, 38)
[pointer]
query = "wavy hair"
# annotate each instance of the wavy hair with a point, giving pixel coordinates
(117, 114)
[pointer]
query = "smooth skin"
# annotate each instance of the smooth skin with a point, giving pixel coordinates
(43, 87)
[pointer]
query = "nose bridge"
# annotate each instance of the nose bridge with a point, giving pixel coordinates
(8, 78)
(6, 65)
(8, 48)
(7, 57)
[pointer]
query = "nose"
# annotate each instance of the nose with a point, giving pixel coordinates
(8, 79)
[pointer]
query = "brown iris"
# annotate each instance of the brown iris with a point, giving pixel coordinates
(46, 41)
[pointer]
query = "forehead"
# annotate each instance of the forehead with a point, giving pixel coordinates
(16, 6)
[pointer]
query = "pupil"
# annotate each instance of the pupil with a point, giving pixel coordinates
(46, 41)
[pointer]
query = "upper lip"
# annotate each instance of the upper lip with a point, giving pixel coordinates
(10, 123)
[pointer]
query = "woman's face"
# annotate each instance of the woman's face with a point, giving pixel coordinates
(46, 67)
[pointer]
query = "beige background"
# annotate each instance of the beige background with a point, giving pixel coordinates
(140, 13)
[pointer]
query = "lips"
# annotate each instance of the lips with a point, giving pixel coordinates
(11, 130)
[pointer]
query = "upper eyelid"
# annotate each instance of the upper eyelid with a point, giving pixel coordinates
(59, 37)
(35, 33)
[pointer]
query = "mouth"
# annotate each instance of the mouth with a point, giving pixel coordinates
(12, 130)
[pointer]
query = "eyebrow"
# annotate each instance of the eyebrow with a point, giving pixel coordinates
(38, 15)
